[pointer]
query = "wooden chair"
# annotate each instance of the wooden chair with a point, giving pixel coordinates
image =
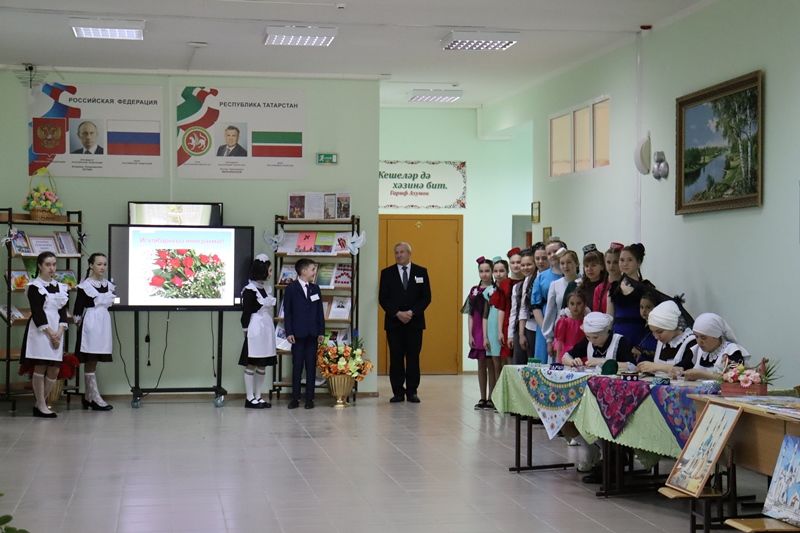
(752, 525)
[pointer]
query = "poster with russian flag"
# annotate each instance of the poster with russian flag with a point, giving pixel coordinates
(235, 133)
(107, 131)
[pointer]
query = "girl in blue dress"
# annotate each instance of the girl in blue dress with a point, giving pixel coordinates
(625, 295)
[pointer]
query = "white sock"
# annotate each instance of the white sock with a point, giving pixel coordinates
(258, 382)
(249, 384)
(48, 386)
(37, 380)
(92, 392)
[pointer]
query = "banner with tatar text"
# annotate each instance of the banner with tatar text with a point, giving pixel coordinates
(240, 133)
(423, 184)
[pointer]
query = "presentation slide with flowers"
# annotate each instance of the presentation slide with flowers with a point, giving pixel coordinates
(181, 266)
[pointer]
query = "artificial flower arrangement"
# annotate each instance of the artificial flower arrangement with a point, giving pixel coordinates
(343, 359)
(185, 273)
(738, 379)
(44, 198)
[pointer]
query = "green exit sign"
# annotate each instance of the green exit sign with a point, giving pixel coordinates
(327, 159)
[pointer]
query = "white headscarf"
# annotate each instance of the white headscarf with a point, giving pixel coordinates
(596, 322)
(665, 316)
(713, 325)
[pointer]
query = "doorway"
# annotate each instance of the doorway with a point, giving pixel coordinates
(436, 244)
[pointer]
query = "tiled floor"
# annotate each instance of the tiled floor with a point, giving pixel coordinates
(187, 467)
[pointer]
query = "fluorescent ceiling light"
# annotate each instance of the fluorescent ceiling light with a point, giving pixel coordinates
(299, 36)
(435, 96)
(125, 30)
(479, 40)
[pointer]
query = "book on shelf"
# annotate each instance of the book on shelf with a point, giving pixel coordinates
(340, 308)
(20, 244)
(65, 243)
(324, 242)
(16, 314)
(337, 336)
(287, 274)
(281, 342)
(67, 277)
(18, 279)
(43, 243)
(306, 241)
(326, 306)
(342, 240)
(343, 275)
(325, 275)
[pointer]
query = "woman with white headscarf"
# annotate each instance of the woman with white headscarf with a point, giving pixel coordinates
(675, 340)
(600, 344)
(716, 348)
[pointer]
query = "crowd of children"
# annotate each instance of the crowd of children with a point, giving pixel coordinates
(546, 305)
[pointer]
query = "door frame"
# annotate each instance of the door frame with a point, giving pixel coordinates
(382, 346)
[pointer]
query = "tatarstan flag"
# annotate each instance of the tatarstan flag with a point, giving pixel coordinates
(277, 144)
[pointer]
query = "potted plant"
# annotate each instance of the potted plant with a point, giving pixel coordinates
(739, 380)
(343, 364)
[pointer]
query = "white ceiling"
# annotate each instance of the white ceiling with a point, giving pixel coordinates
(396, 41)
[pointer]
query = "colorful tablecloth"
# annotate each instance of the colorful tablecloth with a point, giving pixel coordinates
(659, 424)
(555, 394)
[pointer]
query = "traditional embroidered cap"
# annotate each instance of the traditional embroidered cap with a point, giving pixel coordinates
(496, 258)
(665, 316)
(589, 248)
(596, 322)
(481, 260)
(263, 258)
(713, 325)
(514, 251)
(616, 246)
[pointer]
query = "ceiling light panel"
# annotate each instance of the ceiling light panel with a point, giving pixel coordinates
(124, 30)
(300, 36)
(435, 96)
(479, 40)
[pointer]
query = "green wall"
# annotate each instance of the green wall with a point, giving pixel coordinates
(739, 263)
(498, 178)
(342, 117)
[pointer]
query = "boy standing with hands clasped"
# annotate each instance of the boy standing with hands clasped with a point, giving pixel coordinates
(304, 321)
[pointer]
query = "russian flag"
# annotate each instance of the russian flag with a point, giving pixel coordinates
(134, 137)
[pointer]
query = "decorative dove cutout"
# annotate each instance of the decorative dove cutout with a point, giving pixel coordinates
(274, 240)
(12, 232)
(356, 241)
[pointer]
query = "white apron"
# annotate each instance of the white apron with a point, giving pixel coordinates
(611, 353)
(261, 329)
(37, 343)
(96, 321)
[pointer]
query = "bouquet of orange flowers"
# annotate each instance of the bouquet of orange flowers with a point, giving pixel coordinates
(347, 359)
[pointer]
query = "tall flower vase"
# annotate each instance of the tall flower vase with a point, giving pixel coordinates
(341, 385)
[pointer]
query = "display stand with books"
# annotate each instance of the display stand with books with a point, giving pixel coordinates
(27, 238)
(325, 241)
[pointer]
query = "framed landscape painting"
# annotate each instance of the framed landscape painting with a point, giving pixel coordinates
(719, 148)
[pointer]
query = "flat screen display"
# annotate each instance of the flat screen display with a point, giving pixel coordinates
(175, 214)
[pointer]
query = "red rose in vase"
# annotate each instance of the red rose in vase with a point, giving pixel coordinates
(161, 262)
(157, 281)
(188, 262)
(175, 263)
(182, 251)
(204, 259)
(162, 254)
(178, 282)
(188, 272)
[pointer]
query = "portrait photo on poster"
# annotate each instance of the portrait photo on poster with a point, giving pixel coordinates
(87, 136)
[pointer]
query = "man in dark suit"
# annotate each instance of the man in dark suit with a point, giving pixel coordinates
(231, 148)
(405, 293)
(304, 322)
(87, 134)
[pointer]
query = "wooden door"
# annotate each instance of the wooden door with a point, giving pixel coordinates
(436, 244)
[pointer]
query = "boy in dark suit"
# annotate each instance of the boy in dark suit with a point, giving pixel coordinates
(304, 322)
(405, 293)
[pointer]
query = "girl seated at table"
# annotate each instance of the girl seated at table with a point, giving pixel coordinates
(675, 340)
(716, 348)
(600, 344)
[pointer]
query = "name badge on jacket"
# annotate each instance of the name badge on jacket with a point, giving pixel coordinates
(418, 279)
(314, 297)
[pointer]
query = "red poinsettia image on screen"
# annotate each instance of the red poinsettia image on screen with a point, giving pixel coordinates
(186, 273)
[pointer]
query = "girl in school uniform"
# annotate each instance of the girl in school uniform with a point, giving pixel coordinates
(93, 343)
(568, 330)
(646, 349)
(673, 352)
(716, 348)
(474, 309)
(258, 350)
(515, 332)
(625, 295)
(568, 264)
(594, 274)
(43, 341)
(600, 343)
(527, 321)
(492, 340)
(504, 291)
(611, 258)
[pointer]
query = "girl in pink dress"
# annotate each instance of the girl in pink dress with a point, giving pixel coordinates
(568, 327)
(474, 307)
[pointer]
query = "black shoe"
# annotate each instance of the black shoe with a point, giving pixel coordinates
(263, 403)
(85, 403)
(480, 405)
(413, 398)
(252, 404)
(397, 399)
(294, 404)
(490, 405)
(38, 414)
(94, 406)
(309, 404)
